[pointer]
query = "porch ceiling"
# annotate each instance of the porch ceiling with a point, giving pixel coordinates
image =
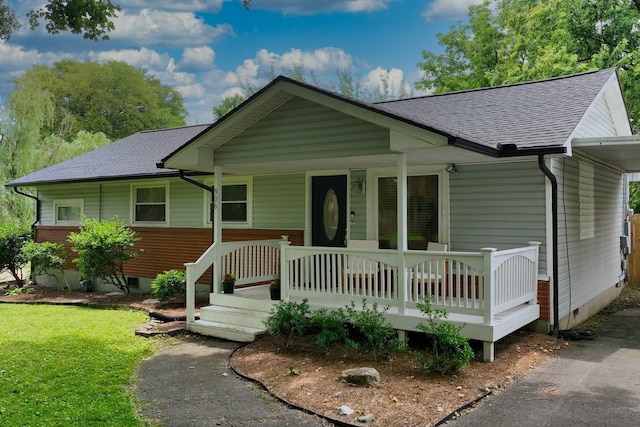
(620, 152)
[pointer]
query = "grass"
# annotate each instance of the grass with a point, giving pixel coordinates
(69, 366)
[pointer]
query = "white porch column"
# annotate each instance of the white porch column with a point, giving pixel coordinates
(284, 269)
(217, 225)
(402, 229)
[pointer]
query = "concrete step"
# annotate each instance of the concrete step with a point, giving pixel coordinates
(234, 316)
(225, 331)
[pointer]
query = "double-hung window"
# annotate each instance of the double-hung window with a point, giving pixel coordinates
(68, 212)
(235, 202)
(150, 203)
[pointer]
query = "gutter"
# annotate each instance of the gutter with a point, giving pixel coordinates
(37, 219)
(181, 174)
(554, 219)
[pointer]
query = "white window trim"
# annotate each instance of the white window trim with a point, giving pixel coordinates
(248, 181)
(443, 194)
(64, 203)
(167, 210)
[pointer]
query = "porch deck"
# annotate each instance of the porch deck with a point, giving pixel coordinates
(489, 293)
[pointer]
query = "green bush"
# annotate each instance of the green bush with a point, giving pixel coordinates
(451, 350)
(12, 238)
(371, 333)
(169, 284)
(103, 247)
(47, 258)
(330, 327)
(289, 319)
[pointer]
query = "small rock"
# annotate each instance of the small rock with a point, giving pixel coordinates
(361, 376)
(345, 410)
(366, 418)
(113, 294)
(150, 301)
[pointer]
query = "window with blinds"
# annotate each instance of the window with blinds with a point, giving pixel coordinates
(422, 211)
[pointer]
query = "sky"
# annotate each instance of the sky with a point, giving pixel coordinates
(208, 49)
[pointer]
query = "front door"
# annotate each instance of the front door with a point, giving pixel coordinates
(329, 210)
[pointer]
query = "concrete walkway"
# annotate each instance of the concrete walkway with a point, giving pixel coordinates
(191, 384)
(595, 384)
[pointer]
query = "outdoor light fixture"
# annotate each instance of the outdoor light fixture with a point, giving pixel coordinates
(359, 186)
(451, 168)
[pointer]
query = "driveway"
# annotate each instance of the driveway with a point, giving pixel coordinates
(595, 384)
(191, 384)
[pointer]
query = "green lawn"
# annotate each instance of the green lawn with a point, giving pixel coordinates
(69, 366)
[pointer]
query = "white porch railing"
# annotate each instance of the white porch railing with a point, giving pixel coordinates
(478, 283)
(252, 261)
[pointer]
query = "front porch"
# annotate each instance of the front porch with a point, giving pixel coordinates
(490, 293)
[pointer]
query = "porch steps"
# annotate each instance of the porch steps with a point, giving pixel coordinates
(233, 317)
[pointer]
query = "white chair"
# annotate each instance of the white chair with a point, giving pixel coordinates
(435, 246)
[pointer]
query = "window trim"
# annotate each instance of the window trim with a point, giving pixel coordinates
(132, 214)
(443, 196)
(246, 180)
(64, 203)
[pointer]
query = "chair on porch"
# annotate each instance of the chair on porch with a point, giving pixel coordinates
(430, 281)
(359, 271)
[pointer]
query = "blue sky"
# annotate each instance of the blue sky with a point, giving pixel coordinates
(207, 49)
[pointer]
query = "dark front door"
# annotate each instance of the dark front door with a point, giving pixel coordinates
(328, 210)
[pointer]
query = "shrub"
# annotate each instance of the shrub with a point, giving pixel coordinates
(103, 247)
(47, 258)
(289, 319)
(12, 239)
(330, 327)
(169, 284)
(451, 350)
(371, 333)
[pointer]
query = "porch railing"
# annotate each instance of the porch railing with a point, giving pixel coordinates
(252, 261)
(476, 283)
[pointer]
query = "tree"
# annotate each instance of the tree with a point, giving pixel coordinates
(510, 41)
(228, 104)
(47, 258)
(12, 238)
(92, 19)
(103, 247)
(112, 97)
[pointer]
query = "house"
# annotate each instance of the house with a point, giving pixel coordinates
(523, 186)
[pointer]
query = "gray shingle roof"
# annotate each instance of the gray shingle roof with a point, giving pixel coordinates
(534, 114)
(133, 156)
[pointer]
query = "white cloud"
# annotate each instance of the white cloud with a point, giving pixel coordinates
(145, 59)
(309, 7)
(197, 59)
(376, 79)
(448, 9)
(318, 60)
(154, 27)
(181, 5)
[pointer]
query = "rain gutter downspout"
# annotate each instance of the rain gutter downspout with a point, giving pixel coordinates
(37, 219)
(554, 226)
(210, 190)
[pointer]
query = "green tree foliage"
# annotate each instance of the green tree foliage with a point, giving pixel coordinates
(47, 258)
(509, 41)
(103, 247)
(91, 18)
(112, 97)
(228, 104)
(12, 238)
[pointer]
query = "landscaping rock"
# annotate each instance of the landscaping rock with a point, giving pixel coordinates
(366, 377)
(345, 410)
(366, 418)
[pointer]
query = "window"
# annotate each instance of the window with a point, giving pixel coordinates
(68, 212)
(150, 203)
(235, 202)
(422, 211)
(586, 201)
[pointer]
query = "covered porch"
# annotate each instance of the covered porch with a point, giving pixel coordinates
(490, 293)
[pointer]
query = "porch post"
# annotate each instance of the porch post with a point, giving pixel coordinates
(402, 229)
(217, 226)
(284, 269)
(534, 299)
(489, 284)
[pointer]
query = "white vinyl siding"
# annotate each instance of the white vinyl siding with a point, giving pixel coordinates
(49, 195)
(597, 122)
(586, 201)
(499, 205)
(588, 267)
(302, 130)
(358, 228)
